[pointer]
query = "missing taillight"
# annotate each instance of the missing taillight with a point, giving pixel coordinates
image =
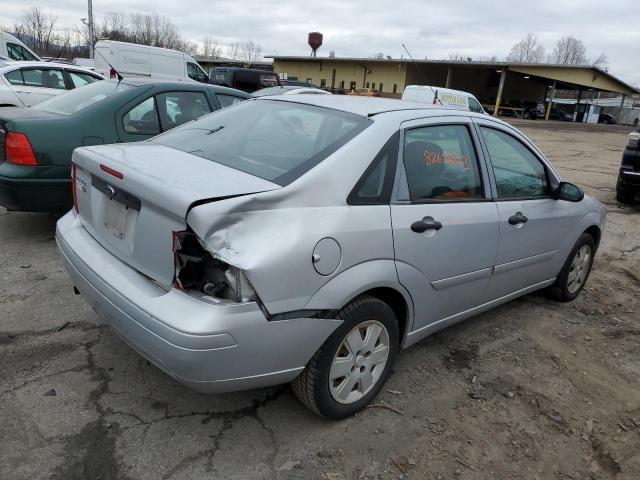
(197, 270)
(17, 149)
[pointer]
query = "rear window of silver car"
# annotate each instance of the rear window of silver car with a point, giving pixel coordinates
(274, 140)
(80, 98)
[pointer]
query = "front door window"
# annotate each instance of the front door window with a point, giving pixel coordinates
(519, 174)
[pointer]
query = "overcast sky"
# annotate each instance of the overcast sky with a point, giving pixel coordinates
(363, 28)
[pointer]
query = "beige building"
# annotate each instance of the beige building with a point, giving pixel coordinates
(495, 84)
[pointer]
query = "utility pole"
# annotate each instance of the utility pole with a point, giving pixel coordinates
(90, 24)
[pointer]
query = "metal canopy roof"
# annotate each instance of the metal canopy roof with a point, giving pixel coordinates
(579, 76)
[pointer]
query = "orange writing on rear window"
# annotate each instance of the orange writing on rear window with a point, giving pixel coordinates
(450, 159)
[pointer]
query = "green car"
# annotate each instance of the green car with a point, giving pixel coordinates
(36, 143)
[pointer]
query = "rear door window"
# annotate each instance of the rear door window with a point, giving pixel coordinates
(45, 78)
(441, 164)
(142, 119)
(177, 108)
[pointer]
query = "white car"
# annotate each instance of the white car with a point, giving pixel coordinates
(23, 84)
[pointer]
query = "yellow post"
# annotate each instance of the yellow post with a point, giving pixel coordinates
(551, 95)
(503, 77)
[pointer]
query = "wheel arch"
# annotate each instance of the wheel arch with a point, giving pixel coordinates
(396, 301)
(595, 232)
(381, 282)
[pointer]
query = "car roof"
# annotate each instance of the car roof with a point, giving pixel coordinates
(137, 82)
(364, 106)
(261, 70)
(23, 64)
(282, 89)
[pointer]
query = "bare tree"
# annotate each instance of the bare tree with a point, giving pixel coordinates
(37, 30)
(569, 51)
(602, 61)
(527, 50)
(456, 57)
(154, 30)
(211, 47)
(185, 46)
(251, 51)
(233, 50)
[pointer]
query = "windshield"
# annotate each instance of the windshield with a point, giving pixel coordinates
(80, 98)
(274, 140)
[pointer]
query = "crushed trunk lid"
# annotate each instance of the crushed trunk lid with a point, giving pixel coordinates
(131, 198)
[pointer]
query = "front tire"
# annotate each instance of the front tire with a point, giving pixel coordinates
(576, 269)
(352, 365)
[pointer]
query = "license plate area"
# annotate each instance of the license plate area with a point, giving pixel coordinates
(120, 209)
(118, 217)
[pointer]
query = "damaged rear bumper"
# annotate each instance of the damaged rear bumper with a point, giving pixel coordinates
(208, 347)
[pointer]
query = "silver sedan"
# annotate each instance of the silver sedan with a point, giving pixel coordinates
(309, 238)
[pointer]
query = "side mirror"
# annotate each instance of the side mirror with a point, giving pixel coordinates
(569, 192)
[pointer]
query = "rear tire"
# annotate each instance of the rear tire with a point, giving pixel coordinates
(348, 370)
(575, 271)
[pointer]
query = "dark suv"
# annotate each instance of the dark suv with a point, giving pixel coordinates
(629, 176)
(246, 79)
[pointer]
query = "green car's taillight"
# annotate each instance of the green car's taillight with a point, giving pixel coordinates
(17, 149)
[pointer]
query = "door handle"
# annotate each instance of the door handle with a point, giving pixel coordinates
(518, 218)
(427, 223)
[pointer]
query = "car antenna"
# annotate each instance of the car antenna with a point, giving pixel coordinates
(59, 53)
(120, 77)
(435, 92)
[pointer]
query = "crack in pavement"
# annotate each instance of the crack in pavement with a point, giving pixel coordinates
(93, 450)
(228, 419)
(11, 337)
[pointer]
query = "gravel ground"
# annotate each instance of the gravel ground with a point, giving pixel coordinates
(531, 390)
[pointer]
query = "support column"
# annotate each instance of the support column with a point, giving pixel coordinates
(449, 75)
(621, 107)
(577, 109)
(551, 95)
(503, 78)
